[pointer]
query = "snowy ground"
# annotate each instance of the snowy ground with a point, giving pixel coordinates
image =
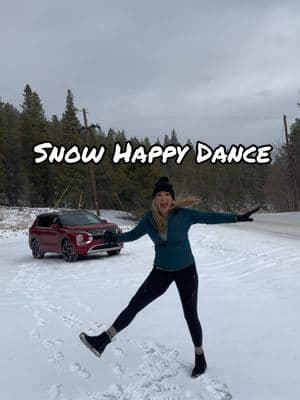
(249, 298)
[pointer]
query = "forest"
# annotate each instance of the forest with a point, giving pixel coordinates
(127, 186)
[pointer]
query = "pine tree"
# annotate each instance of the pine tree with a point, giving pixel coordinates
(71, 177)
(293, 156)
(10, 154)
(70, 125)
(173, 140)
(147, 143)
(55, 129)
(166, 140)
(33, 130)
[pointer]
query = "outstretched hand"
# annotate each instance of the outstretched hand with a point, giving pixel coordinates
(110, 237)
(246, 217)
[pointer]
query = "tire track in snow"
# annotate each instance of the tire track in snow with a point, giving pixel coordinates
(238, 263)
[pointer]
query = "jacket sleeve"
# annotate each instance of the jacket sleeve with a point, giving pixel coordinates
(202, 217)
(135, 233)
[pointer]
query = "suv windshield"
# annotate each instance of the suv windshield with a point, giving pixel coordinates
(79, 218)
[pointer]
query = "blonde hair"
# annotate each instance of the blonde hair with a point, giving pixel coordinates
(161, 222)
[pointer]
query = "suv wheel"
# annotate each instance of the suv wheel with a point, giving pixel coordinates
(114, 252)
(68, 251)
(36, 250)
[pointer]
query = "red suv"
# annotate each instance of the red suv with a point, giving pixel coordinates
(71, 233)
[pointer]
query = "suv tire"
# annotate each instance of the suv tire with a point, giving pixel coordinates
(68, 251)
(37, 253)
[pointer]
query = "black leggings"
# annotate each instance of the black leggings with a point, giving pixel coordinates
(154, 286)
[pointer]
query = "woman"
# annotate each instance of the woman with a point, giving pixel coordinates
(167, 225)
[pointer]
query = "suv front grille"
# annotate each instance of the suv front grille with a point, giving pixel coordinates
(98, 233)
(97, 236)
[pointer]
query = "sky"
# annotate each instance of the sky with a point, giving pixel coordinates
(223, 72)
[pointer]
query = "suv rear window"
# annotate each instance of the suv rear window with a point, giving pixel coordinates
(79, 218)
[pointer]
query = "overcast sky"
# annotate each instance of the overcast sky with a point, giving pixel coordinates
(217, 71)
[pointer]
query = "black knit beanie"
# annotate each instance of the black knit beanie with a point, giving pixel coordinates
(163, 185)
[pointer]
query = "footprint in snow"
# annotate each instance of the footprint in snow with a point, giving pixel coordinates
(152, 378)
(52, 342)
(51, 308)
(40, 321)
(54, 392)
(164, 388)
(218, 390)
(118, 351)
(160, 362)
(87, 309)
(70, 320)
(94, 328)
(56, 358)
(35, 333)
(137, 392)
(82, 372)
(191, 396)
(118, 370)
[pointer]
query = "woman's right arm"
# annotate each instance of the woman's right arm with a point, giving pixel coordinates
(135, 233)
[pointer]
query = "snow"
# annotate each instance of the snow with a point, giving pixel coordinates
(249, 297)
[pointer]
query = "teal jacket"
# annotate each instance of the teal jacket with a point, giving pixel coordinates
(174, 253)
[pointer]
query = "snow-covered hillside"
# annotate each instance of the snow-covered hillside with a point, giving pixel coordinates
(249, 297)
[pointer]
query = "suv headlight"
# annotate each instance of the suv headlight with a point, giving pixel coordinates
(79, 239)
(84, 238)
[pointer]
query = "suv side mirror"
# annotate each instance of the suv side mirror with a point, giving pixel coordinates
(54, 227)
(105, 221)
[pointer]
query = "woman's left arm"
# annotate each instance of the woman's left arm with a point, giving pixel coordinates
(218, 218)
(246, 217)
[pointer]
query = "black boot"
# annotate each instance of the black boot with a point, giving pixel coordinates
(200, 365)
(96, 344)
